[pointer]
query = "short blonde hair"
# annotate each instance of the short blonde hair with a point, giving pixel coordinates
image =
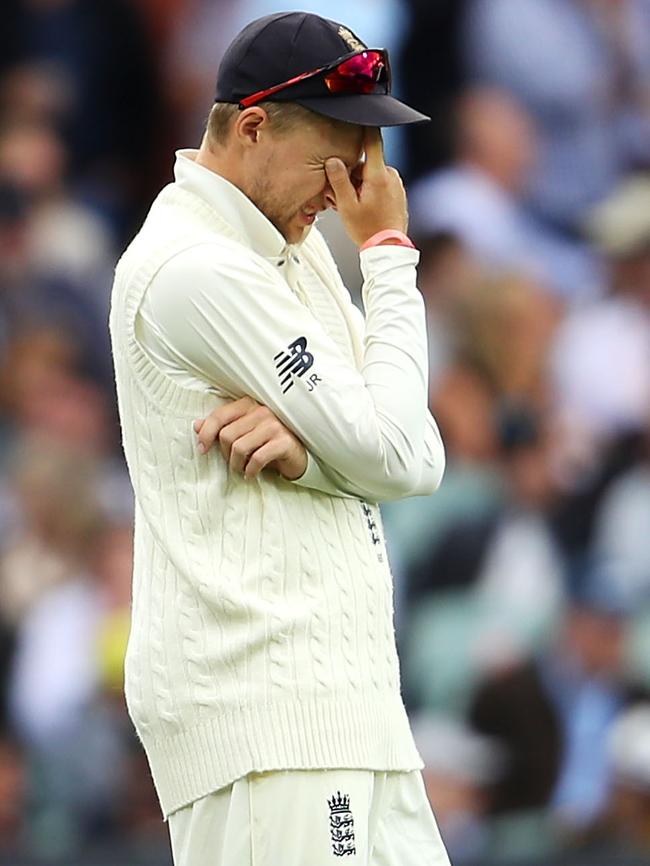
(284, 116)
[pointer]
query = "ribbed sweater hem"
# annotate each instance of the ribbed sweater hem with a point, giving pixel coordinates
(371, 734)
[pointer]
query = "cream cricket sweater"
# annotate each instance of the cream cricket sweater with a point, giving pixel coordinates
(262, 630)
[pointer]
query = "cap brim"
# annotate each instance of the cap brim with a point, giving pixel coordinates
(372, 109)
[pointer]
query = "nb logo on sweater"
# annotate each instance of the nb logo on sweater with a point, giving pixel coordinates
(294, 362)
(341, 826)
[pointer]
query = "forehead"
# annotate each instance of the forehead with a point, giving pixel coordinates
(326, 138)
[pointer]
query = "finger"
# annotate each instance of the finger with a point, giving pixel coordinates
(219, 418)
(230, 433)
(263, 457)
(374, 147)
(356, 176)
(342, 187)
(246, 445)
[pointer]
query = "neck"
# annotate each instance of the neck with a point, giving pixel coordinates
(218, 162)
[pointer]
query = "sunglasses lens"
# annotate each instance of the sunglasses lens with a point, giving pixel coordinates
(359, 74)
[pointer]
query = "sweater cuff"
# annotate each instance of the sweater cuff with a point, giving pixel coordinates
(378, 260)
(315, 479)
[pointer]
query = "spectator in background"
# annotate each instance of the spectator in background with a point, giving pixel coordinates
(130, 800)
(58, 524)
(448, 276)
(622, 528)
(600, 358)
(13, 231)
(65, 241)
(49, 598)
(582, 69)
(57, 253)
(201, 33)
(12, 795)
(95, 62)
(460, 766)
(44, 394)
(67, 237)
(488, 340)
(479, 198)
(113, 565)
(505, 563)
(626, 828)
(553, 715)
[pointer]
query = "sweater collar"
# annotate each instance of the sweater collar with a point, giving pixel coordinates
(230, 203)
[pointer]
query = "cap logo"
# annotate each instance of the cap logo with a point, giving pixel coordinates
(350, 39)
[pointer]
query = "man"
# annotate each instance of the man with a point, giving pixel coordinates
(261, 672)
(480, 198)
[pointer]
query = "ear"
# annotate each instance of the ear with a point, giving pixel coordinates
(249, 124)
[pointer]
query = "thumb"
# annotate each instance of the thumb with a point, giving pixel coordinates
(337, 176)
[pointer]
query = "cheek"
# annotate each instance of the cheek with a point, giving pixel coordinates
(302, 186)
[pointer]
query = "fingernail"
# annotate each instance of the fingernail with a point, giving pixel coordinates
(201, 447)
(196, 425)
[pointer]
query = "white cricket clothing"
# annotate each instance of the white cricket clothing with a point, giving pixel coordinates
(317, 817)
(204, 335)
(262, 634)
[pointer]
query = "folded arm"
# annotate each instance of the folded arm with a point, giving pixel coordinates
(235, 323)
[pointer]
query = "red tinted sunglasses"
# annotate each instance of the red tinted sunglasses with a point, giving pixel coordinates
(361, 72)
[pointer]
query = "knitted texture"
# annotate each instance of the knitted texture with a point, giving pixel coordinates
(262, 624)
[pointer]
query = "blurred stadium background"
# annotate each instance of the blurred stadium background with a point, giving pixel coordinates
(523, 586)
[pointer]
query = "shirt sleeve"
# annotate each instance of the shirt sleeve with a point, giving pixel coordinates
(236, 323)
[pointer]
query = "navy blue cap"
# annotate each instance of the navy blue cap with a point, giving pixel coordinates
(279, 47)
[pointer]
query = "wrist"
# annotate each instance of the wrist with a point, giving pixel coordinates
(294, 466)
(386, 237)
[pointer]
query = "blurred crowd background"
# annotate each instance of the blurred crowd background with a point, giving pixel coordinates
(523, 585)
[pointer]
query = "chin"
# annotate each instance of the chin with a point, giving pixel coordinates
(302, 234)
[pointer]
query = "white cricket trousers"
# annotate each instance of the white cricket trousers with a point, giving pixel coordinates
(311, 818)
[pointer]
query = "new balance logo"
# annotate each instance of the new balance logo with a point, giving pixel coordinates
(341, 826)
(294, 362)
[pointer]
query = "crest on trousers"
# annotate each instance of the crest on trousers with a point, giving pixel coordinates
(341, 826)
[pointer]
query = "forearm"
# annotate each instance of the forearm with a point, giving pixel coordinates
(329, 481)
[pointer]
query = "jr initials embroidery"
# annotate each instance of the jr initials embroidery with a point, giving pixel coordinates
(341, 825)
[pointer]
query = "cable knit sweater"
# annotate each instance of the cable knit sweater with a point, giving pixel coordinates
(262, 626)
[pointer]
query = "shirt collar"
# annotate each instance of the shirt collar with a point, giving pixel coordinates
(230, 203)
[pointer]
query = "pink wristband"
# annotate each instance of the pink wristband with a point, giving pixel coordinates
(388, 234)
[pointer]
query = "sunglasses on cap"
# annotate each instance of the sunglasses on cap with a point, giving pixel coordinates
(362, 72)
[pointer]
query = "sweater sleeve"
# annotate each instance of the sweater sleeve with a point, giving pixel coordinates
(327, 480)
(235, 323)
